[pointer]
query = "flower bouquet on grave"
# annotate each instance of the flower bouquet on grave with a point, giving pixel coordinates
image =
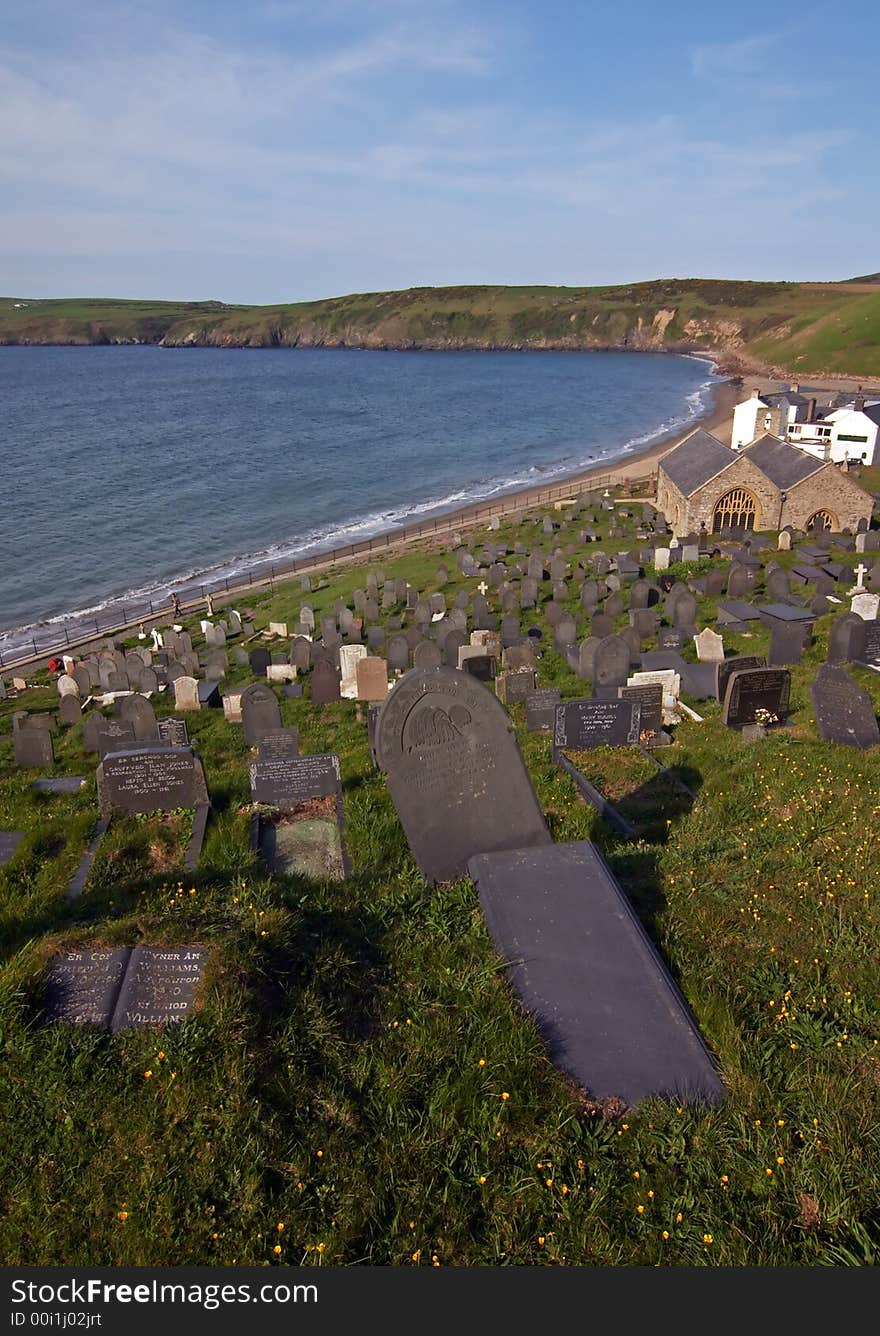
(765, 717)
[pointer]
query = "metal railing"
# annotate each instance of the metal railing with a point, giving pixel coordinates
(266, 573)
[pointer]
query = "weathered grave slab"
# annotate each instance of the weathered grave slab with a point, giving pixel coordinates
(10, 840)
(844, 710)
(454, 771)
(172, 732)
(583, 966)
(59, 784)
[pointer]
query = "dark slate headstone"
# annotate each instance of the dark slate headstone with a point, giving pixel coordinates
(844, 710)
(69, 710)
(286, 781)
(480, 666)
(104, 735)
(611, 663)
(32, 747)
(870, 652)
(581, 725)
(455, 772)
(138, 712)
(515, 685)
(649, 698)
(426, 655)
(787, 642)
(846, 639)
(755, 693)
(260, 711)
(740, 580)
(172, 732)
(279, 742)
(724, 669)
(260, 658)
(398, 654)
(150, 779)
(325, 683)
(584, 967)
(9, 843)
(541, 709)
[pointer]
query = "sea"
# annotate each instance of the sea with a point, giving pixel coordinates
(133, 471)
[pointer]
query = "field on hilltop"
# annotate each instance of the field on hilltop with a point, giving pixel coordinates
(831, 328)
(360, 1085)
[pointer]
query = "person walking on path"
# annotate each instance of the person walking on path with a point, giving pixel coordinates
(209, 603)
(175, 604)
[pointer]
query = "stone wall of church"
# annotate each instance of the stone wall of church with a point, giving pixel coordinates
(831, 490)
(828, 489)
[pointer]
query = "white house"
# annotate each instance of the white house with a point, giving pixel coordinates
(763, 413)
(854, 430)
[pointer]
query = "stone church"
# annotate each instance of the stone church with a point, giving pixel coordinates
(768, 485)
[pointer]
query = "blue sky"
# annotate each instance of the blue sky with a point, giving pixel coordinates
(273, 150)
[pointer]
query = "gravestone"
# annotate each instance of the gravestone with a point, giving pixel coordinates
(68, 686)
(710, 646)
(103, 735)
(740, 580)
(372, 678)
(150, 779)
(846, 638)
(306, 839)
(59, 784)
(69, 710)
(756, 696)
(866, 606)
(172, 732)
(581, 725)
(515, 685)
(32, 747)
(844, 710)
(610, 664)
(285, 781)
(349, 656)
(186, 694)
(324, 683)
(681, 606)
(783, 542)
(788, 641)
(426, 655)
(475, 663)
(455, 772)
(118, 988)
(278, 742)
(260, 658)
(649, 698)
(398, 654)
(139, 713)
(260, 712)
(149, 682)
(739, 662)
(586, 970)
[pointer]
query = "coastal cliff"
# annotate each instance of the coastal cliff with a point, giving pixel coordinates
(771, 328)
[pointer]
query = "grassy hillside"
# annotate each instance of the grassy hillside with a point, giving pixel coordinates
(805, 328)
(361, 1087)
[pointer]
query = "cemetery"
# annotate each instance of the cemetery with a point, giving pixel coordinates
(511, 900)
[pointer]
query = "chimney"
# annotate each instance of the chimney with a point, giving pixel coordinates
(795, 386)
(756, 393)
(811, 410)
(858, 403)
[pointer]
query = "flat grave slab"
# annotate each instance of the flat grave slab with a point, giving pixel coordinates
(150, 779)
(10, 841)
(454, 771)
(59, 784)
(583, 966)
(306, 837)
(784, 612)
(122, 988)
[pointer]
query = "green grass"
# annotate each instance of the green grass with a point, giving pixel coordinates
(347, 1074)
(821, 328)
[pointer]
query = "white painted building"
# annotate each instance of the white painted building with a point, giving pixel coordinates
(854, 430)
(767, 413)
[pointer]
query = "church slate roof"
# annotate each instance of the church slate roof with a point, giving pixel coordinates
(697, 459)
(785, 465)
